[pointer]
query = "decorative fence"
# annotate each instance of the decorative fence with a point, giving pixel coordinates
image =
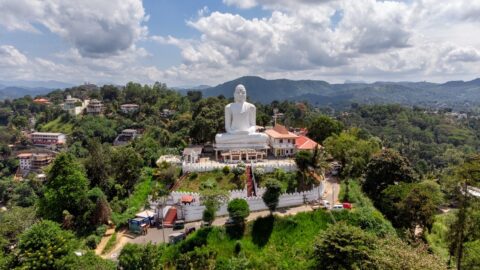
(269, 166)
(194, 211)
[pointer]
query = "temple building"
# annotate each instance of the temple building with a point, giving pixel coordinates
(281, 141)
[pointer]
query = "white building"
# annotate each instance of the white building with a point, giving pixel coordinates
(95, 107)
(129, 108)
(48, 138)
(281, 141)
(34, 161)
(25, 160)
(74, 106)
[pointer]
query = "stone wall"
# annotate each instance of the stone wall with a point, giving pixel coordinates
(194, 212)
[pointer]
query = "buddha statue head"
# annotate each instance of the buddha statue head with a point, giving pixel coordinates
(240, 94)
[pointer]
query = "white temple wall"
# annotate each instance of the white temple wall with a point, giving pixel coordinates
(286, 165)
(194, 212)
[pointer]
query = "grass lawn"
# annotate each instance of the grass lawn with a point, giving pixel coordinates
(194, 182)
(57, 126)
(275, 243)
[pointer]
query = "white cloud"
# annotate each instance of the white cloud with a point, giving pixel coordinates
(335, 39)
(95, 28)
(245, 4)
(11, 57)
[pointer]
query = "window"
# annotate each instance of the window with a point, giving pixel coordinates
(281, 140)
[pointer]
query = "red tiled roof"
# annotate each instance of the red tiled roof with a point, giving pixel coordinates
(305, 143)
(280, 132)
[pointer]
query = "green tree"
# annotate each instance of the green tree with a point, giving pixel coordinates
(45, 246)
(467, 174)
(321, 127)
(135, 256)
(238, 210)
(419, 207)
(342, 246)
(14, 222)
(98, 164)
(212, 199)
(127, 166)
(352, 150)
(66, 189)
(272, 194)
(384, 169)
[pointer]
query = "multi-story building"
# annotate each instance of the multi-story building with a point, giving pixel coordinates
(48, 138)
(40, 160)
(129, 108)
(95, 107)
(74, 106)
(281, 141)
(25, 160)
(126, 136)
(33, 161)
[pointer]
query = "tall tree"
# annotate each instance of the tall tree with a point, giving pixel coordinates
(272, 194)
(386, 168)
(342, 246)
(66, 189)
(468, 174)
(352, 149)
(127, 167)
(45, 246)
(321, 127)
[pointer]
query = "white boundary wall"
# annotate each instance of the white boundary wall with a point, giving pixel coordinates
(194, 211)
(269, 166)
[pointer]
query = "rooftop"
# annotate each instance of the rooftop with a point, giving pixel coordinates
(280, 132)
(305, 143)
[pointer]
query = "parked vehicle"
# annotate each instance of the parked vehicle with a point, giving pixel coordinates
(189, 230)
(325, 204)
(179, 224)
(337, 207)
(204, 224)
(347, 205)
(176, 237)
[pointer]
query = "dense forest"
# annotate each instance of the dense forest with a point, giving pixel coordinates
(406, 169)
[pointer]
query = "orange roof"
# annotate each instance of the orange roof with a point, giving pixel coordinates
(187, 198)
(24, 155)
(41, 100)
(305, 143)
(280, 132)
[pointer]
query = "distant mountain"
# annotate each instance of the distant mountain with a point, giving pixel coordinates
(11, 92)
(456, 94)
(37, 84)
(185, 89)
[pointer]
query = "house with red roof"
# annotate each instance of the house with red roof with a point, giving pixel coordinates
(303, 143)
(281, 141)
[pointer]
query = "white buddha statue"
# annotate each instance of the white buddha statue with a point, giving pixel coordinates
(240, 118)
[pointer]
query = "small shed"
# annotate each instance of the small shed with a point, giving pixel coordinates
(192, 154)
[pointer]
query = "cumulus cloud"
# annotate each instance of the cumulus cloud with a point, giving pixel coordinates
(95, 28)
(330, 38)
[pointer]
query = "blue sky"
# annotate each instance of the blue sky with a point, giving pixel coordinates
(209, 42)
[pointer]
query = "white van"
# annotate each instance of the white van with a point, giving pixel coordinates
(337, 207)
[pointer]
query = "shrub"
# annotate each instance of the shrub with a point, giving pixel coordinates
(238, 209)
(193, 176)
(101, 230)
(226, 170)
(92, 241)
